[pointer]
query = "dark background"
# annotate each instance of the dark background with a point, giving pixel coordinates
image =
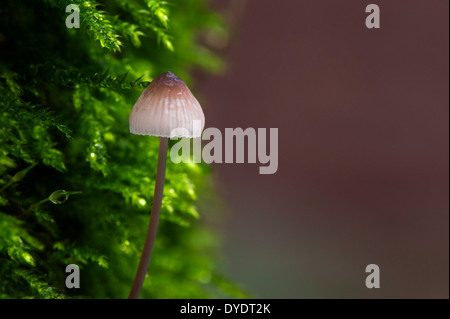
(363, 147)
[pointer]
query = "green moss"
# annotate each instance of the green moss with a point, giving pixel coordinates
(65, 98)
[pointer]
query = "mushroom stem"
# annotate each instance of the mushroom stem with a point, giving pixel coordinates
(154, 219)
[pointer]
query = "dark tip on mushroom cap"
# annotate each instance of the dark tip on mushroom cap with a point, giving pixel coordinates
(168, 79)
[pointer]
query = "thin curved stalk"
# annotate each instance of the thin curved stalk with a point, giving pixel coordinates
(154, 219)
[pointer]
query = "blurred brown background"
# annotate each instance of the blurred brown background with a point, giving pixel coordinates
(363, 147)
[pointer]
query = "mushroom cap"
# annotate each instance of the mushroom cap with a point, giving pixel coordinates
(167, 108)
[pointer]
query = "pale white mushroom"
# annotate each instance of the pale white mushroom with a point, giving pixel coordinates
(165, 109)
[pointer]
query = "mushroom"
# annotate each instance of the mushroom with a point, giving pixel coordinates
(166, 109)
